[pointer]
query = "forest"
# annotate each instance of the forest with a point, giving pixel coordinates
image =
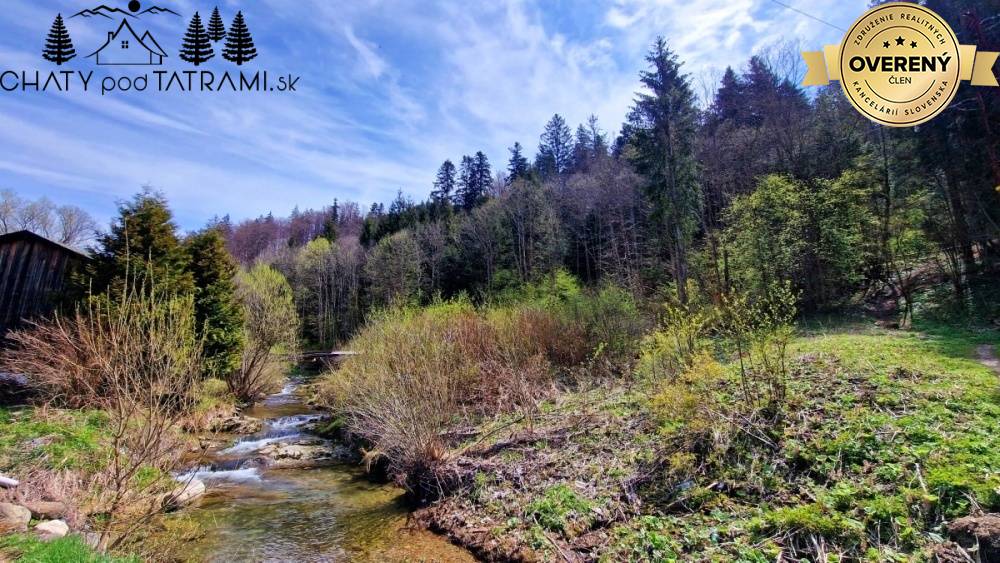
(747, 325)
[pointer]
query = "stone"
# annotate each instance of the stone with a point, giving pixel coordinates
(237, 424)
(13, 518)
(52, 529)
(183, 495)
(42, 510)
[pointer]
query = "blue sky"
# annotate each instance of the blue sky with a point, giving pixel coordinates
(389, 89)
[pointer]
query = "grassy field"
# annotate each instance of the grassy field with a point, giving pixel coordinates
(885, 435)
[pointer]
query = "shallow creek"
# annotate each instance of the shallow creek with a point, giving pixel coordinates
(328, 513)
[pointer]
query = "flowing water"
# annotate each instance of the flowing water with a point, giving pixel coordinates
(330, 513)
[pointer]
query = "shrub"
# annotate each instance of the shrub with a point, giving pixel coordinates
(270, 333)
(132, 354)
(421, 372)
(760, 328)
(670, 350)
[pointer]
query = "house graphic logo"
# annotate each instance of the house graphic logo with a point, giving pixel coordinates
(125, 47)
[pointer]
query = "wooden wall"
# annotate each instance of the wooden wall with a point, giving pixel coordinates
(33, 276)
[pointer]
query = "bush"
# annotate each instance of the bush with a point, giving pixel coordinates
(669, 351)
(132, 354)
(270, 333)
(421, 372)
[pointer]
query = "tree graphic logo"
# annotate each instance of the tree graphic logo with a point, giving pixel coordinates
(239, 44)
(197, 46)
(58, 46)
(216, 29)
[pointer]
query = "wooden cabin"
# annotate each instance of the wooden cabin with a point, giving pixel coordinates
(34, 272)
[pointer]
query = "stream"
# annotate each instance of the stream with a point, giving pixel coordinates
(311, 514)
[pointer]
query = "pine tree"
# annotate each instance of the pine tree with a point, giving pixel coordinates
(218, 315)
(517, 166)
(444, 184)
(197, 47)
(239, 44)
(58, 45)
(216, 28)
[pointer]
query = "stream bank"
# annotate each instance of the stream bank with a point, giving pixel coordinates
(285, 494)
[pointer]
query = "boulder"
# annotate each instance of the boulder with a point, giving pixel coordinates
(14, 389)
(236, 424)
(13, 518)
(42, 510)
(981, 532)
(303, 454)
(51, 530)
(187, 493)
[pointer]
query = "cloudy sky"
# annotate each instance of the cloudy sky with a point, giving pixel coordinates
(389, 89)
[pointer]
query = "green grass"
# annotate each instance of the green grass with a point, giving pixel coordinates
(885, 435)
(71, 549)
(53, 439)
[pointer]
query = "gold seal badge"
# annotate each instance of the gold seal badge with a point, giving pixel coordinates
(900, 64)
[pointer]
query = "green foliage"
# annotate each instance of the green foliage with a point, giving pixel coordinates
(814, 518)
(670, 350)
(270, 332)
(662, 131)
(647, 539)
(557, 508)
(70, 549)
(218, 315)
(810, 235)
(393, 271)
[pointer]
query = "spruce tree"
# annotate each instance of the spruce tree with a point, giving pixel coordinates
(517, 166)
(483, 176)
(216, 28)
(58, 46)
(444, 183)
(465, 193)
(555, 149)
(218, 314)
(663, 125)
(141, 244)
(197, 47)
(239, 44)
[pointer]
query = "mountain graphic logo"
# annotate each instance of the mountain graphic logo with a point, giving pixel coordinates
(107, 12)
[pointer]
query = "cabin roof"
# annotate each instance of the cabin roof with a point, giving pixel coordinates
(35, 237)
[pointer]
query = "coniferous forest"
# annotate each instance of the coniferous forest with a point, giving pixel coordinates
(748, 325)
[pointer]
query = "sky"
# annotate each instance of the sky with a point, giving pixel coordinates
(388, 91)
